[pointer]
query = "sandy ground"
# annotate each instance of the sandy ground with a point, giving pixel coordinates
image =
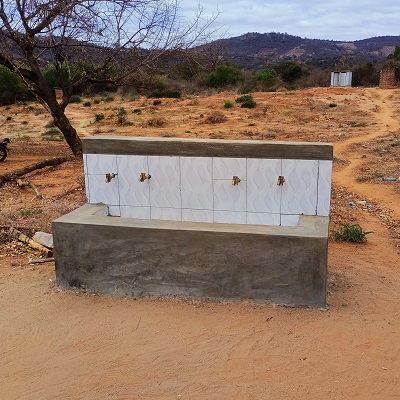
(58, 344)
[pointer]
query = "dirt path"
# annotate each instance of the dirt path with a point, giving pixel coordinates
(80, 346)
(346, 176)
(57, 344)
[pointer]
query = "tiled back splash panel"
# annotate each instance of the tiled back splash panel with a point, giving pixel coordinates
(140, 181)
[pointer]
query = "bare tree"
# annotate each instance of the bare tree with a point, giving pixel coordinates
(90, 41)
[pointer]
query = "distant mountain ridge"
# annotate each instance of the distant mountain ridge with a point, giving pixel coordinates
(257, 50)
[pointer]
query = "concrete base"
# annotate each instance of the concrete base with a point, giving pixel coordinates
(142, 258)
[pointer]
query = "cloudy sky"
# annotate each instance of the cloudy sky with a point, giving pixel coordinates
(314, 19)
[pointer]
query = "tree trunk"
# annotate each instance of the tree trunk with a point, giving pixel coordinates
(57, 110)
(10, 176)
(69, 132)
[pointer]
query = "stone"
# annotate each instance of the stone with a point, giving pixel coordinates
(43, 238)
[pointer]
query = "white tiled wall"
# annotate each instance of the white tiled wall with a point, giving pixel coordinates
(196, 183)
(133, 192)
(299, 192)
(200, 189)
(263, 193)
(324, 187)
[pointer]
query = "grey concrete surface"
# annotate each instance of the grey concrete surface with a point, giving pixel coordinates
(147, 258)
(207, 147)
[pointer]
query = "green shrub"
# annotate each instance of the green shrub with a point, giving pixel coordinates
(289, 71)
(157, 102)
(246, 101)
(96, 101)
(75, 99)
(121, 116)
(9, 118)
(30, 212)
(268, 76)
(223, 75)
(228, 104)
(332, 105)
(244, 98)
(137, 111)
(249, 104)
(350, 233)
(99, 117)
(11, 87)
(87, 104)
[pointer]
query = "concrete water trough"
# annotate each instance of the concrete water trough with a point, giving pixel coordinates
(211, 219)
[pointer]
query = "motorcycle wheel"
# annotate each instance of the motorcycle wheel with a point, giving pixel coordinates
(3, 154)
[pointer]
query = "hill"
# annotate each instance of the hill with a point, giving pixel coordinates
(256, 50)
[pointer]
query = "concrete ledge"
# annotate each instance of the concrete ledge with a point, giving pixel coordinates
(206, 148)
(141, 258)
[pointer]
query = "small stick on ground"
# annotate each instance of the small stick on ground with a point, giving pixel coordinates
(22, 183)
(31, 243)
(40, 260)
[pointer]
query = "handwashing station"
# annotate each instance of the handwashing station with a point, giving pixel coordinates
(192, 218)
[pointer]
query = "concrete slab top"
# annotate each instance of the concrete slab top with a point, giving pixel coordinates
(96, 214)
(132, 145)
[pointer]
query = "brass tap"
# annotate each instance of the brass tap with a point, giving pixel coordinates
(281, 180)
(109, 176)
(235, 181)
(143, 176)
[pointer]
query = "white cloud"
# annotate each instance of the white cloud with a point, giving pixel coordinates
(335, 20)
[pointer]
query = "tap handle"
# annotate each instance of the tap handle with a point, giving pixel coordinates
(235, 180)
(143, 176)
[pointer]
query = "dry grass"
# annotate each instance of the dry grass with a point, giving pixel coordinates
(154, 122)
(215, 118)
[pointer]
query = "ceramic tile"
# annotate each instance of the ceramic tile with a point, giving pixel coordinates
(135, 212)
(196, 183)
(226, 168)
(197, 215)
(228, 197)
(289, 220)
(165, 182)
(169, 214)
(87, 188)
(84, 156)
(263, 193)
(133, 192)
(299, 191)
(101, 164)
(114, 211)
(229, 217)
(324, 187)
(263, 219)
(102, 192)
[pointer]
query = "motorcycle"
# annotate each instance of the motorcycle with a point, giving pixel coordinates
(3, 148)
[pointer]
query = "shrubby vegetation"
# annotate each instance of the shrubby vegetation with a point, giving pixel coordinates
(190, 77)
(11, 87)
(350, 233)
(223, 75)
(246, 101)
(268, 76)
(289, 71)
